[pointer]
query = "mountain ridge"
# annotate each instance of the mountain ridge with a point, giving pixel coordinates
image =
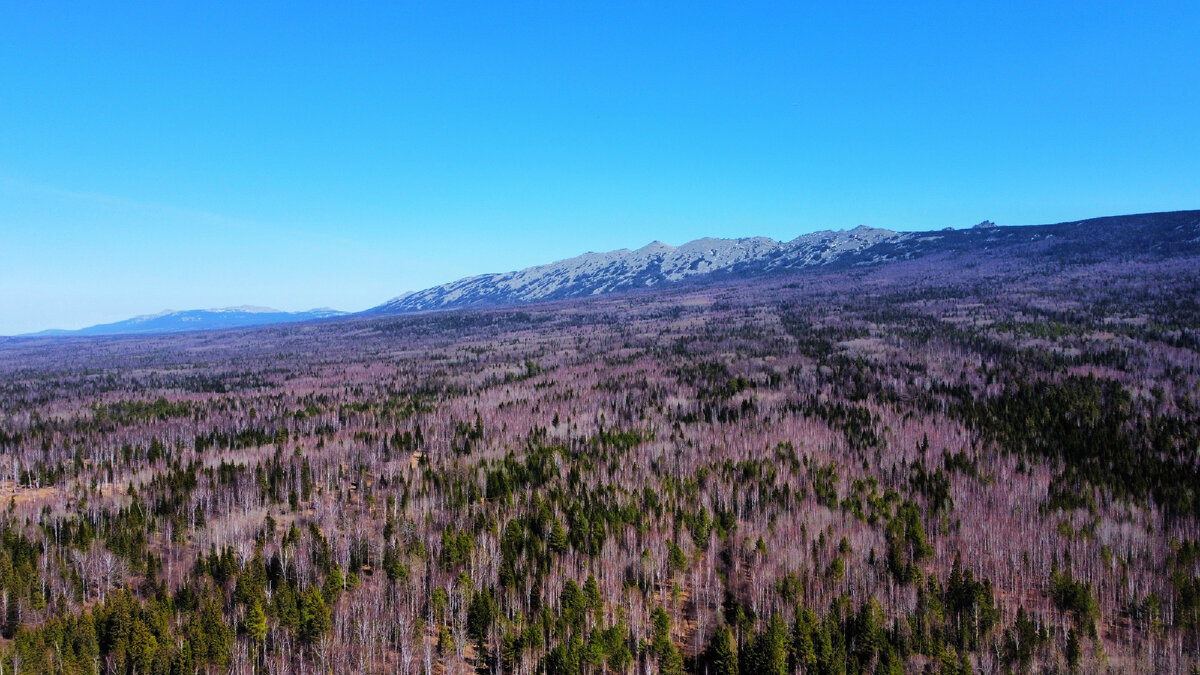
(657, 264)
(189, 320)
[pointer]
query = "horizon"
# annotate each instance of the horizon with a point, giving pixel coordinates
(455, 288)
(258, 309)
(254, 308)
(222, 156)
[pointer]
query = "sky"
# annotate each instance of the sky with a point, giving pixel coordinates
(189, 155)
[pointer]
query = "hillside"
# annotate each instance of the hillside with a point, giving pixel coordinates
(659, 264)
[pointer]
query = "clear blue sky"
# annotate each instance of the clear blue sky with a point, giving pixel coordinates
(186, 155)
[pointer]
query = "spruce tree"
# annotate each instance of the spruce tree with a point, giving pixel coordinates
(1074, 650)
(256, 624)
(722, 659)
(314, 615)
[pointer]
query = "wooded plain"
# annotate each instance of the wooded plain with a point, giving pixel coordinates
(981, 461)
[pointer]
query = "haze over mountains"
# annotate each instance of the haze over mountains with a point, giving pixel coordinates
(709, 259)
(170, 321)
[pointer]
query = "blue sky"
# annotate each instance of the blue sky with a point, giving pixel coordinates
(181, 155)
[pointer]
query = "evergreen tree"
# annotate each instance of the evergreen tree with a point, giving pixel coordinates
(720, 655)
(217, 635)
(558, 538)
(314, 615)
(1074, 650)
(591, 592)
(256, 625)
(142, 647)
(804, 650)
(768, 652)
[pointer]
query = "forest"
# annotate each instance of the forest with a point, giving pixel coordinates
(967, 463)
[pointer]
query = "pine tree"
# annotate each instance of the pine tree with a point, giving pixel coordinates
(1074, 650)
(480, 615)
(218, 636)
(314, 615)
(676, 560)
(256, 625)
(804, 650)
(672, 662)
(142, 647)
(87, 645)
(558, 538)
(774, 647)
(334, 584)
(573, 605)
(591, 591)
(722, 660)
(184, 661)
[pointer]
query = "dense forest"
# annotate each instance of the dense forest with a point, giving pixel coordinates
(966, 463)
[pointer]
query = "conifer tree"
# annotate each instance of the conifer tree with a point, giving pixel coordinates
(256, 625)
(721, 657)
(314, 615)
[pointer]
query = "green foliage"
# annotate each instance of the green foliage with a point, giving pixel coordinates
(123, 413)
(970, 608)
(315, 618)
(669, 658)
(768, 652)
(1023, 639)
(256, 624)
(558, 538)
(1088, 424)
(1186, 584)
(906, 543)
(130, 635)
(720, 658)
(1074, 596)
(676, 560)
(1073, 651)
(481, 613)
(456, 548)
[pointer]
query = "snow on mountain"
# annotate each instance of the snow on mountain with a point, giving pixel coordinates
(651, 265)
(657, 263)
(828, 247)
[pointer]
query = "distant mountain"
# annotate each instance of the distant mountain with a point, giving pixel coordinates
(657, 263)
(197, 319)
(652, 265)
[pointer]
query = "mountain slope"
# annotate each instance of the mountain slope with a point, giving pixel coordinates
(657, 263)
(197, 319)
(652, 265)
